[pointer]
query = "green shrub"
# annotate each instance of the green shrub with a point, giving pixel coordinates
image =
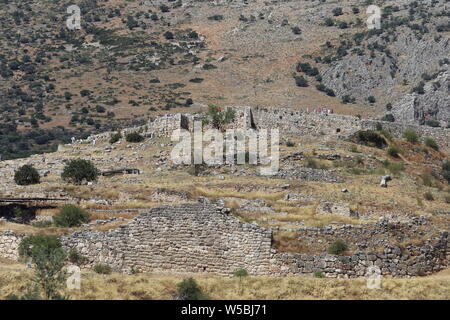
(329, 22)
(446, 165)
(421, 272)
(371, 138)
(289, 143)
(75, 257)
(337, 11)
(319, 274)
(32, 244)
(218, 118)
(78, 170)
(394, 167)
(168, 35)
(134, 137)
(240, 273)
(343, 25)
(428, 196)
(26, 175)
(337, 247)
(296, 30)
(32, 293)
(115, 137)
(188, 289)
(432, 123)
(42, 224)
(70, 216)
(427, 180)
(49, 273)
(411, 136)
(300, 81)
(102, 269)
(208, 66)
(446, 170)
(312, 163)
(430, 142)
(393, 151)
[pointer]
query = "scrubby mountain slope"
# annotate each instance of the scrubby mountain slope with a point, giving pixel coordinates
(135, 59)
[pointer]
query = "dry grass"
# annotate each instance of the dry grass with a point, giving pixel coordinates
(218, 193)
(287, 241)
(308, 215)
(28, 229)
(109, 226)
(14, 279)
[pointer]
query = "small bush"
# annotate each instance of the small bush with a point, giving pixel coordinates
(289, 143)
(217, 117)
(446, 170)
(70, 216)
(337, 11)
(26, 175)
(301, 81)
(428, 196)
(421, 273)
(188, 289)
(115, 138)
(393, 151)
(432, 123)
(168, 35)
(32, 293)
(240, 273)
(312, 163)
(296, 30)
(337, 247)
(319, 275)
(394, 167)
(75, 257)
(411, 136)
(42, 224)
(78, 170)
(427, 180)
(31, 245)
(430, 142)
(371, 138)
(134, 137)
(102, 269)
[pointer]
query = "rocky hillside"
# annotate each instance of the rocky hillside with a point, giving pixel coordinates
(135, 59)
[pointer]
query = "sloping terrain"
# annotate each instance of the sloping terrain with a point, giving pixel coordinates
(135, 59)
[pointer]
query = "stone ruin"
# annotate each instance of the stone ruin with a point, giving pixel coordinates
(207, 238)
(298, 122)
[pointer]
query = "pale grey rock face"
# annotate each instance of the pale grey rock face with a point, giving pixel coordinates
(385, 73)
(433, 104)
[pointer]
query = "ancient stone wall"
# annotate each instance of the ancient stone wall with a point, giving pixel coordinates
(183, 238)
(304, 123)
(205, 238)
(299, 122)
(9, 244)
(440, 135)
(164, 125)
